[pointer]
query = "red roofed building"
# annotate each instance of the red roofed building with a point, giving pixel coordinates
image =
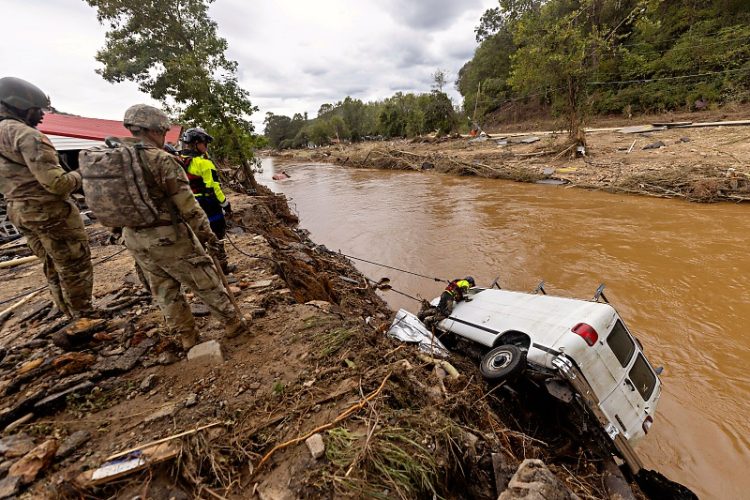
(70, 134)
(94, 129)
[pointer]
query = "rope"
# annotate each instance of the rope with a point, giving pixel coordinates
(439, 280)
(105, 259)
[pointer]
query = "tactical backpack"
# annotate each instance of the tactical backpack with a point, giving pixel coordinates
(115, 183)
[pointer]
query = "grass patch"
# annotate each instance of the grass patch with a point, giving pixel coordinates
(394, 462)
(331, 341)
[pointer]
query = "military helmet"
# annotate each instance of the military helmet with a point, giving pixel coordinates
(196, 134)
(145, 116)
(22, 95)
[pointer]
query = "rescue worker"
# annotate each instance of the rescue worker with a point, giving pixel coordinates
(204, 182)
(38, 190)
(456, 291)
(171, 251)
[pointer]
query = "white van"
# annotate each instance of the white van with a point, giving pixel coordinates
(574, 344)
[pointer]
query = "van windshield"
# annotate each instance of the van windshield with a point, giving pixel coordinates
(621, 343)
(643, 377)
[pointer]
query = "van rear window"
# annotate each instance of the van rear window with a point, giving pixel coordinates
(621, 343)
(643, 377)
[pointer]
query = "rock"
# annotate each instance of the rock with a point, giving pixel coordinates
(167, 358)
(34, 461)
(316, 445)
(684, 139)
(503, 471)
(191, 400)
(427, 165)
(5, 467)
(655, 145)
(149, 382)
(206, 352)
(260, 284)
(58, 399)
(167, 411)
(235, 290)
(534, 481)
(10, 486)
(199, 310)
(18, 423)
(320, 304)
(126, 362)
(16, 445)
(71, 444)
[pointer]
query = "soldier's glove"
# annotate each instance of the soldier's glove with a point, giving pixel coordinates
(227, 208)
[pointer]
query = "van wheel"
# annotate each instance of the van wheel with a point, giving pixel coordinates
(502, 362)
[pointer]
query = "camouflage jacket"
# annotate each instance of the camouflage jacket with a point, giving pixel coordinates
(29, 168)
(171, 185)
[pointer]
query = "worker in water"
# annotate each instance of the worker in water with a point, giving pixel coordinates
(204, 182)
(38, 192)
(456, 291)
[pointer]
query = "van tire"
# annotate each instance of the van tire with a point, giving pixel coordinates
(502, 362)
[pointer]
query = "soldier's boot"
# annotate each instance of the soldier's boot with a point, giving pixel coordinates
(223, 258)
(189, 339)
(236, 327)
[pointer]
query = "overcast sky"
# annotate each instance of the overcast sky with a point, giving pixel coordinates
(293, 55)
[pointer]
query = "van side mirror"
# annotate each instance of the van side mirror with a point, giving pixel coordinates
(659, 370)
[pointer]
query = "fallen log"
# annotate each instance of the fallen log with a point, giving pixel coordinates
(18, 262)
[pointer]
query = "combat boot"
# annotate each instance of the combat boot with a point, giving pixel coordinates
(189, 339)
(237, 327)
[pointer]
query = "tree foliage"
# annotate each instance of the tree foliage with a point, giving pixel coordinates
(609, 56)
(172, 50)
(401, 115)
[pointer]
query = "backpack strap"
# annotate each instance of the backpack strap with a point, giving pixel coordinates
(149, 176)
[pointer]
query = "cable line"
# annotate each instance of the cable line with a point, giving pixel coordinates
(439, 280)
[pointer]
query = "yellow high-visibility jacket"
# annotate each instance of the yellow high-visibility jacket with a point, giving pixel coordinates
(203, 177)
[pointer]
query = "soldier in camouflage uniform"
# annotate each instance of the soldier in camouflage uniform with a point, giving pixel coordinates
(38, 193)
(171, 252)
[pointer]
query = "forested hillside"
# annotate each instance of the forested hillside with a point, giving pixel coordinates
(575, 57)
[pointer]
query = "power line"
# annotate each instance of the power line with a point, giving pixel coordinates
(668, 78)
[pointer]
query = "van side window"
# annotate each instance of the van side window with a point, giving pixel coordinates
(642, 377)
(621, 344)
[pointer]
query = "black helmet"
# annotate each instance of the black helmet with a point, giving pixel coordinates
(470, 280)
(22, 95)
(196, 134)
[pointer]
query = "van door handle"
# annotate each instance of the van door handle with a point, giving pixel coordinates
(629, 384)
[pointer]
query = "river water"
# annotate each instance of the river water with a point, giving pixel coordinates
(677, 272)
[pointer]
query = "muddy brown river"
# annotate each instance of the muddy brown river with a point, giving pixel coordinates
(677, 272)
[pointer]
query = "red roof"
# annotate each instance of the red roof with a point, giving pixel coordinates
(94, 129)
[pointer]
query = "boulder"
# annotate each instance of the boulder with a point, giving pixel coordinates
(534, 481)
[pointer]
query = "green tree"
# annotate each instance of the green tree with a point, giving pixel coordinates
(172, 50)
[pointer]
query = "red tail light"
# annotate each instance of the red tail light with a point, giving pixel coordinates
(586, 332)
(647, 424)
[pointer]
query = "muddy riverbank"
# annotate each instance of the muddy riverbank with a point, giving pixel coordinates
(698, 164)
(234, 425)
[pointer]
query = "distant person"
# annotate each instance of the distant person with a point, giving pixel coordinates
(38, 190)
(204, 182)
(456, 291)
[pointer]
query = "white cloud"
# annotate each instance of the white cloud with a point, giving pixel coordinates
(293, 55)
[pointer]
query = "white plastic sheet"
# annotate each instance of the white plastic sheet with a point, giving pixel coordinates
(407, 328)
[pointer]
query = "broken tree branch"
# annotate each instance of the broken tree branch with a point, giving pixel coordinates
(352, 409)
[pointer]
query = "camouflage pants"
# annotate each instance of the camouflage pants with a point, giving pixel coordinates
(171, 256)
(55, 233)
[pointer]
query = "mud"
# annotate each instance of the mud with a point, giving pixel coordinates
(317, 352)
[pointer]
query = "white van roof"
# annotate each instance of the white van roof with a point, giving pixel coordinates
(545, 318)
